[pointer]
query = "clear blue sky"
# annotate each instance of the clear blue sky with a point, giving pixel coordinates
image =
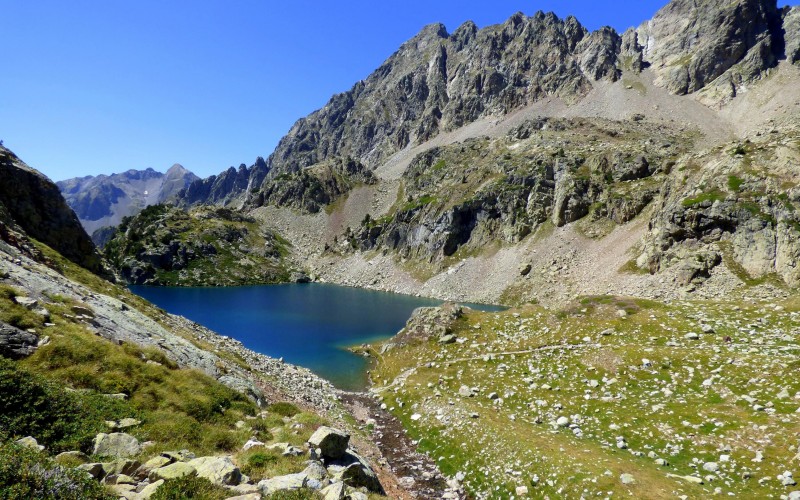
(102, 86)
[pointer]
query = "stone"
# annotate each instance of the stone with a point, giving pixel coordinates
(692, 336)
(627, 479)
(150, 489)
(117, 444)
(332, 442)
(172, 471)
(281, 483)
(218, 470)
(26, 302)
(447, 339)
(247, 496)
(562, 421)
(336, 491)
(153, 463)
(72, 457)
(711, 466)
(128, 422)
(16, 343)
(521, 491)
(30, 442)
(315, 470)
(251, 443)
(96, 470)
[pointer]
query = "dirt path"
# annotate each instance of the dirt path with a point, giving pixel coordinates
(417, 476)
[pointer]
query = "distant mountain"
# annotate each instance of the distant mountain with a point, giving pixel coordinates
(102, 201)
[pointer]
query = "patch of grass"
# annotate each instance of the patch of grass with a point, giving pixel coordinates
(283, 409)
(31, 405)
(630, 267)
(735, 183)
(190, 487)
(712, 196)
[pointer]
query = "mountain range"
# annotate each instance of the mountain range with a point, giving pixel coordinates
(102, 201)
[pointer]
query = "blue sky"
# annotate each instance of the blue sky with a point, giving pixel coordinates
(92, 87)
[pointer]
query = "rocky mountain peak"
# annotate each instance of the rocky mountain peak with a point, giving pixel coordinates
(689, 44)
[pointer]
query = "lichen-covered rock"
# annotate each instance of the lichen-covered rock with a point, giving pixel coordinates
(282, 483)
(117, 444)
(218, 470)
(172, 471)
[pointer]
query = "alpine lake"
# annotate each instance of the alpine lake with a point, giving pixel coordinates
(310, 325)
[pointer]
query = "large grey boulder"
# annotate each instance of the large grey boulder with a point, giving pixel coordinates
(218, 470)
(172, 471)
(117, 444)
(282, 483)
(332, 442)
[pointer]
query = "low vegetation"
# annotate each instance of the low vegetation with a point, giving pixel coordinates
(608, 396)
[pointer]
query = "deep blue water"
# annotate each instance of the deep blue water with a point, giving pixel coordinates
(305, 324)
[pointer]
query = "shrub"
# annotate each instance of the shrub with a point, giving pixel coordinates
(25, 473)
(59, 420)
(196, 488)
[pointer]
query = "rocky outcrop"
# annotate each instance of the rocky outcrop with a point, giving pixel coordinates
(103, 201)
(32, 205)
(791, 28)
(486, 191)
(165, 245)
(742, 204)
(312, 188)
(691, 45)
(16, 343)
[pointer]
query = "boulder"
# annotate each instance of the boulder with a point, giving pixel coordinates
(117, 444)
(96, 470)
(172, 471)
(30, 442)
(16, 343)
(153, 463)
(282, 483)
(336, 491)
(72, 457)
(248, 496)
(218, 470)
(150, 489)
(332, 442)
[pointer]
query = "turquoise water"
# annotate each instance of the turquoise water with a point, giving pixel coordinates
(306, 324)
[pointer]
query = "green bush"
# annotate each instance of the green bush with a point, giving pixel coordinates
(26, 474)
(196, 488)
(59, 420)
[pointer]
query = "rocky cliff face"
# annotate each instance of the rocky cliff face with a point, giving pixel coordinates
(312, 188)
(228, 188)
(692, 45)
(103, 201)
(439, 81)
(31, 205)
(738, 204)
(465, 197)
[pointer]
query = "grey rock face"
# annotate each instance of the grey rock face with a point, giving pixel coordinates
(16, 343)
(30, 202)
(791, 27)
(689, 44)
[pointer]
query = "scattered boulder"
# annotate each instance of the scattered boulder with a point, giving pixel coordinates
(117, 444)
(172, 471)
(218, 470)
(16, 343)
(336, 491)
(281, 483)
(72, 457)
(332, 442)
(30, 442)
